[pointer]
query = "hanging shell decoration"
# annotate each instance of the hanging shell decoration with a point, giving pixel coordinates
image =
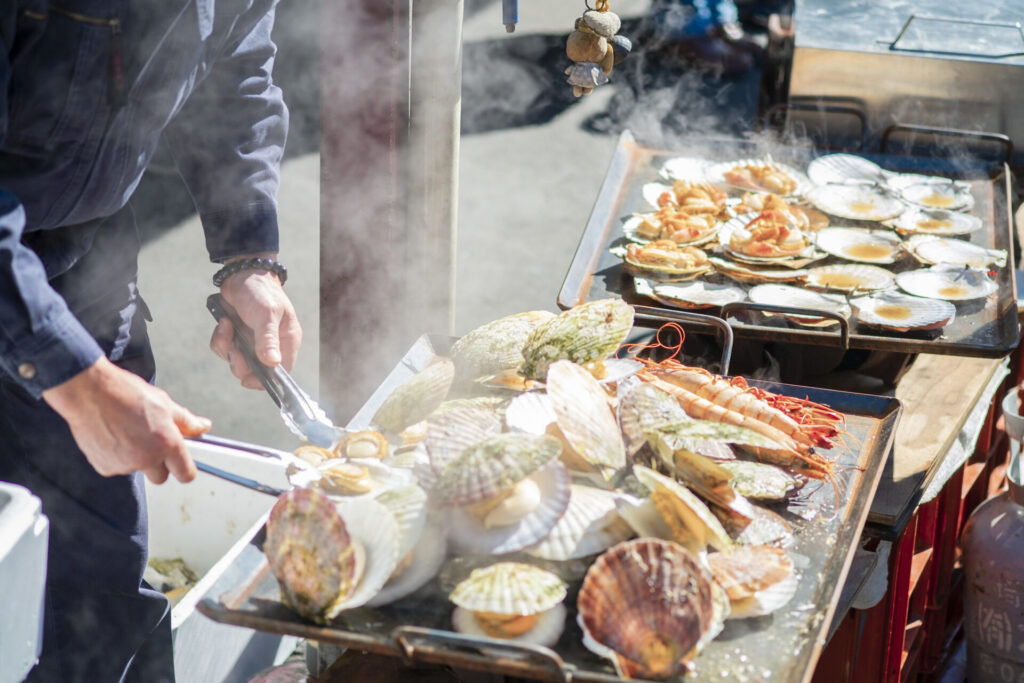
(584, 333)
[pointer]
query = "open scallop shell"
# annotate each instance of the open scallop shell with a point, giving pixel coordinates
(590, 525)
(863, 246)
(453, 431)
(690, 520)
(509, 588)
(648, 604)
(545, 632)
(760, 481)
(939, 194)
(785, 295)
(493, 466)
(589, 332)
(645, 406)
(531, 413)
(856, 202)
(937, 222)
(408, 505)
(630, 225)
(753, 275)
(428, 555)
(417, 397)
(684, 168)
(469, 534)
(935, 250)
(495, 346)
(757, 579)
(697, 294)
(737, 226)
(849, 278)
(952, 283)
(716, 174)
(584, 416)
(901, 312)
(661, 272)
(844, 169)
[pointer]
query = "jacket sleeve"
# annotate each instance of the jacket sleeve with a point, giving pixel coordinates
(228, 140)
(42, 344)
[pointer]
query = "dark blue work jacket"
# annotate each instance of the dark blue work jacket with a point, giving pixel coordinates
(87, 90)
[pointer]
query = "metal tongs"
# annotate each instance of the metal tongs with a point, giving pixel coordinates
(300, 413)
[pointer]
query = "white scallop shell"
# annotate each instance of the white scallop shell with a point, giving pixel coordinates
(468, 534)
(840, 241)
(697, 294)
(716, 174)
(937, 222)
(689, 169)
(939, 193)
(618, 369)
(375, 527)
(868, 278)
(545, 632)
(935, 250)
(952, 283)
(408, 504)
(856, 202)
(701, 523)
(530, 412)
(455, 430)
(738, 226)
(785, 295)
(631, 224)
(590, 525)
(584, 415)
(651, 192)
(509, 588)
(844, 168)
(749, 274)
(427, 558)
(924, 314)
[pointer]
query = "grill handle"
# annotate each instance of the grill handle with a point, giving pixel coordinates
(661, 315)
(844, 324)
(820, 107)
(999, 138)
(415, 641)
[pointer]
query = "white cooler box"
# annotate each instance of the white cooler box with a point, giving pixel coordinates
(24, 532)
(207, 523)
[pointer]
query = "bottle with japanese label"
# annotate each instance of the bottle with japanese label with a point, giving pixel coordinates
(993, 557)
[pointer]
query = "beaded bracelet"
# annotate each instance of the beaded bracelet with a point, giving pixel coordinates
(230, 269)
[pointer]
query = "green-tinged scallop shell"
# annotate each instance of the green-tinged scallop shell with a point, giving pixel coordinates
(453, 431)
(644, 407)
(490, 467)
(417, 397)
(495, 346)
(584, 416)
(591, 331)
(690, 520)
(590, 525)
(509, 588)
(760, 481)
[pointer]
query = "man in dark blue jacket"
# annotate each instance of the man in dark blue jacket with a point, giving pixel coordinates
(89, 87)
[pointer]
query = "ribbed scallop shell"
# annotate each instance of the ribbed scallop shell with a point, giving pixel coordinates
(693, 295)
(935, 250)
(766, 527)
(863, 246)
(856, 202)
(900, 312)
(451, 432)
(495, 346)
(757, 579)
(640, 408)
(545, 632)
(690, 520)
(408, 505)
(470, 535)
(751, 274)
(427, 557)
(590, 331)
(849, 277)
(937, 222)
(590, 525)
(844, 168)
(796, 297)
(417, 397)
(531, 413)
(939, 193)
(952, 283)
(702, 475)
(509, 588)
(584, 416)
(486, 469)
(650, 602)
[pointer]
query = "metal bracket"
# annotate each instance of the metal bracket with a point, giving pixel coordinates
(821, 107)
(959, 22)
(999, 138)
(844, 324)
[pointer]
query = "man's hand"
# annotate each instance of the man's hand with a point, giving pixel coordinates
(124, 424)
(260, 301)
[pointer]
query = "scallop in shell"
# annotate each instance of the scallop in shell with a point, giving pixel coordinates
(339, 477)
(863, 246)
(690, 520)
(844, 168)
(665, 260)
(856, 202)
(648, 605)
(491, 467)
(952, 283)
(784, 295)
(644, 406)
(416, 569)
(584, 416)
(900, 312)
(757, 579)
(693, 295)
(939, 193)
(455, 430)
(767, 527)
(935, 250)
(589, 332)
(755, 275)
(633, 229)
(849, 277)
(937, 222)
(590, 525)
(737, 229)
(760, 481)
(761, 175)
(417, 397)
(495, 346)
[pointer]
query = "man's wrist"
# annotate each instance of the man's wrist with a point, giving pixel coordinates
(257, 263)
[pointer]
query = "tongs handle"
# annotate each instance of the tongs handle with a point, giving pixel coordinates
(276, 380)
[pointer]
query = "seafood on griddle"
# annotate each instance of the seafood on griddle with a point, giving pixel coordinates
(417, 397)
(591, 524)
(690, 521)
(666, 259)
(588, 333)
(495, 346)
(763, 175)
(688, 197)
(758, 579)
(768, 235)
(511, 601)
(793, 214)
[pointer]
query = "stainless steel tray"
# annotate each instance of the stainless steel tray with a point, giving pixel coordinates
(780, 647)
(989, 329)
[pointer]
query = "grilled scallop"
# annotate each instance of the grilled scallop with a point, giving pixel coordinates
(586, 333)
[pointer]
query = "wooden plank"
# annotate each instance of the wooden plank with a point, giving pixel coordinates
(938, 393)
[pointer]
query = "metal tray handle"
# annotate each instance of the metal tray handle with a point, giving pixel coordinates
(413, 640)
(661, 314)
(1003, 140)
(844, 324)
(821, 108)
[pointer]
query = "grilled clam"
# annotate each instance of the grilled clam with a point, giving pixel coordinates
(590, 525)
(585, 418)
(647, 605)
(584, 333)
(511, 601)
(495, 346)
(757, 579)
(417, 397)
